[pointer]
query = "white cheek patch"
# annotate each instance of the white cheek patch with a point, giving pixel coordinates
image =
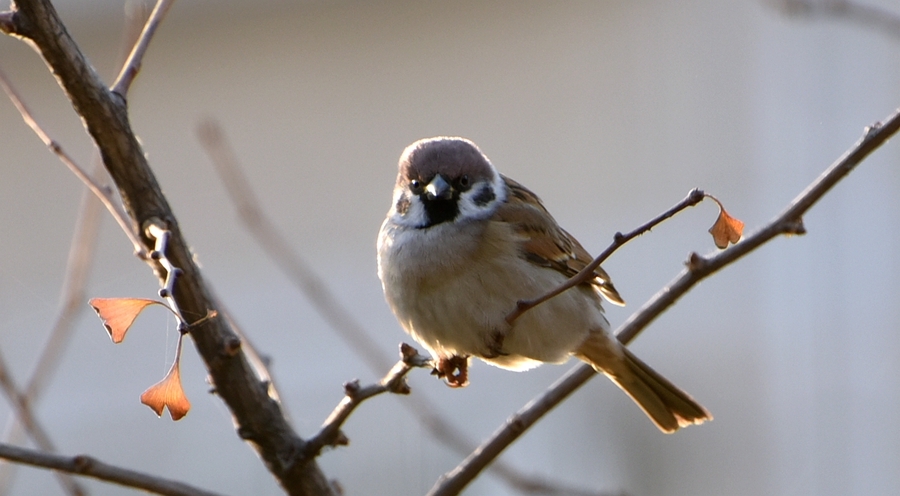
(482, 199)
(499, 187)
(414, 216)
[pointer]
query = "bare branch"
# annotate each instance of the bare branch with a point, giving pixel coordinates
(316, 291)
(693, 197)
(354, 394)
(101, 192)
(258, 417)
(277, 247)
(133, 65)
(698, 268)
(789, 222)
(91, 467)
(259, 363)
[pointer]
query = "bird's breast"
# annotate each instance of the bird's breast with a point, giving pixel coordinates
(452, 287)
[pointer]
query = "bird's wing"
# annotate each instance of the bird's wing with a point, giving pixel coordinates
(546, 244)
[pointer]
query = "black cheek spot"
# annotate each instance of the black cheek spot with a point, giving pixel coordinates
(485, 196)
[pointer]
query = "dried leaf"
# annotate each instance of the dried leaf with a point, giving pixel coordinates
(118, 314)
(168, 392)
(727, 229)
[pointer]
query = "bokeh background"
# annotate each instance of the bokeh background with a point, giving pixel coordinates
(610, 110)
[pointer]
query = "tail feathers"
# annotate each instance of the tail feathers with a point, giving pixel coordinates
(667, 406)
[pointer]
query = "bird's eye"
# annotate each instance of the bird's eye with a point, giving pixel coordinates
(463, 182)
(416, 186)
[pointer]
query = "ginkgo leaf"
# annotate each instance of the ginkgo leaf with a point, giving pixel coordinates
(727, 229)
(118, 314)
(168, 392)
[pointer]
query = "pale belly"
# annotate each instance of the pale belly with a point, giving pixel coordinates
(453, 300)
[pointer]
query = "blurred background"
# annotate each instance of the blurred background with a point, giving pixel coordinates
(610, 110)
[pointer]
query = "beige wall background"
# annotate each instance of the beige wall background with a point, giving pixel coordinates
(610, 110)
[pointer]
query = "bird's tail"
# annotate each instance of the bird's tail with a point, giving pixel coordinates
(667, 406)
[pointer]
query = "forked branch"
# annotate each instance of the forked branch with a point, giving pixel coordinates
(394, 382)
(291, 263)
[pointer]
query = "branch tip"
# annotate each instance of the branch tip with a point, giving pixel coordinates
(695, 196)
(411, 356)
(351, 388)
(407, 352)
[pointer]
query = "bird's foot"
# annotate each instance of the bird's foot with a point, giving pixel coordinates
(454, 370)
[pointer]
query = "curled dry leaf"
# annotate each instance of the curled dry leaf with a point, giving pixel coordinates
(727, 229)
(118, 314)
(168, 392)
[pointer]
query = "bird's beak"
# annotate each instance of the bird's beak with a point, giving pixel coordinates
(438, 189)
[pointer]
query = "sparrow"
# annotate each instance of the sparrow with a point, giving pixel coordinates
(462, 244)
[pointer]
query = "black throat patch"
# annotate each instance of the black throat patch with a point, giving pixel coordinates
(440, 211)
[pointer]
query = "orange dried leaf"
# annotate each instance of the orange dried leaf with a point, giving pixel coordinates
(168, 393)
(118, 314)
(727, 229)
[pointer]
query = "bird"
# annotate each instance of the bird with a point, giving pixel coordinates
(462, 244)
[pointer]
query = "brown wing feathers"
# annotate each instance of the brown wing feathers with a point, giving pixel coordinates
(545, 242)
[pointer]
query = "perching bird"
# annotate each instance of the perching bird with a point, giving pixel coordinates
(462, 243)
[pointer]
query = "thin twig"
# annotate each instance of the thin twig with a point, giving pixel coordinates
(133, 64)
(698, 268)
(354, 394)
(103, 193)
(156, 230)
(279, 249)
(317, 292)
(586, 274)
(34, 428)
(91, 467)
